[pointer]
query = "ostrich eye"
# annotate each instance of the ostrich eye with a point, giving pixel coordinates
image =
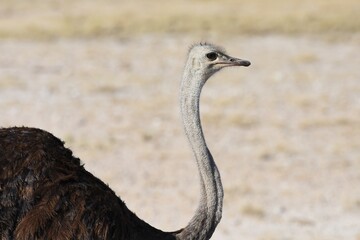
(212, 56)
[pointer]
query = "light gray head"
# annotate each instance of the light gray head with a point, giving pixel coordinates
(206, 59)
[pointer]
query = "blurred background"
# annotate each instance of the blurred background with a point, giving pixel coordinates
(103, 75)
(51, 19)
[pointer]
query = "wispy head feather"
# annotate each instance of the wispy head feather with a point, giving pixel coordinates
(210, 45)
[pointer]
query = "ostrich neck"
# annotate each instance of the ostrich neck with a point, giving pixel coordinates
(208, 213)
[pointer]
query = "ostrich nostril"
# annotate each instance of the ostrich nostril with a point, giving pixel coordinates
(232, 59)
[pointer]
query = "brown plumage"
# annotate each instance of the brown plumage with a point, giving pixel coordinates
(45, 193)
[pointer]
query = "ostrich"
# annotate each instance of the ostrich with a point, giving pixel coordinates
(45, 193)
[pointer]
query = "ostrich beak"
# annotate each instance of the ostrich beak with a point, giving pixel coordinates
(228, 61)
(238, 62)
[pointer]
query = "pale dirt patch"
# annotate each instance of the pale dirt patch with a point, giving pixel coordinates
(285, 131)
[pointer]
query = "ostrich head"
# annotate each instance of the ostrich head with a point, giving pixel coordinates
(206, 59)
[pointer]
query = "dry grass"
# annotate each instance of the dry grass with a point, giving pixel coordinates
(55, 18)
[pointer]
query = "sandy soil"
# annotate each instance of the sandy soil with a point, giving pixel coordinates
(285, 132)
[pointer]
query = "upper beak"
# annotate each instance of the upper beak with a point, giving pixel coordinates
(231, 61)
(238, 62)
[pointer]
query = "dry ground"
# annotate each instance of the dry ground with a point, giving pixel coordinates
(285, 131)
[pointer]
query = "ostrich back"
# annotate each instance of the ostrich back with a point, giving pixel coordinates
(45, 193)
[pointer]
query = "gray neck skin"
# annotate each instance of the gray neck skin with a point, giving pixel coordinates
(208, 214)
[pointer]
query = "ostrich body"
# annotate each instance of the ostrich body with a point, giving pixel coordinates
(45, 193)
